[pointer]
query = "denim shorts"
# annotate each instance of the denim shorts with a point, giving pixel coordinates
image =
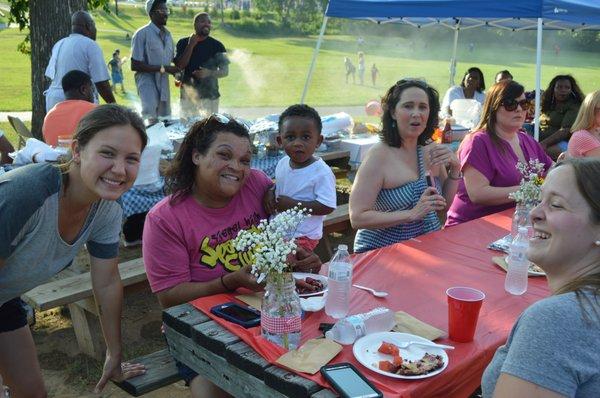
(186, 373)
(13, 315)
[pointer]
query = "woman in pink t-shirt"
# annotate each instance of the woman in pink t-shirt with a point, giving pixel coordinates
(585, 141)
(188, 250)
(489, 156)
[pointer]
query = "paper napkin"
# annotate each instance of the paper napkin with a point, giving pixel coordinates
(406, 323)
(309, 358)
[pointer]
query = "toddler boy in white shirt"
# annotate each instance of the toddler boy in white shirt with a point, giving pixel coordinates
(300, 177)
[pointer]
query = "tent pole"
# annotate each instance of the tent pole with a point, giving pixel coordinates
(453, 60)
(314, 60)
(538, 79)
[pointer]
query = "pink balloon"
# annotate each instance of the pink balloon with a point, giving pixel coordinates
(373, 108)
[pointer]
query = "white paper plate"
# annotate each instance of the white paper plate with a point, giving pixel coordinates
(304, 275)
(365, 351)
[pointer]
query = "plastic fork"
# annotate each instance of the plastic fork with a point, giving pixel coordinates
(406, 344)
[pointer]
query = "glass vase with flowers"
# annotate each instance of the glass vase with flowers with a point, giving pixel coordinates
(272, 245)
(528, 195)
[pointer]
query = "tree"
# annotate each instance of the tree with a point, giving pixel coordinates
(294, 13)
(48, 21)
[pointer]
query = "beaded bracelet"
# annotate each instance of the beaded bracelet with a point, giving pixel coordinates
(459, 177)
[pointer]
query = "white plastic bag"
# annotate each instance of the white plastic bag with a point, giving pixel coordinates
(466, 112)
(158, 140)
(336, 122)
(42, 151)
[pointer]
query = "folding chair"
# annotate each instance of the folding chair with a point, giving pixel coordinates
(21, 130)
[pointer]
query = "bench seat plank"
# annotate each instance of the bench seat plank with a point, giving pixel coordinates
(160, 371)
(74, 288)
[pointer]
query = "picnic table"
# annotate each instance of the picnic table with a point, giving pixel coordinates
(416, 274)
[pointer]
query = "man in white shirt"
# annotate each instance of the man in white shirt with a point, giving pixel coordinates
(152, 52)
(78, 51)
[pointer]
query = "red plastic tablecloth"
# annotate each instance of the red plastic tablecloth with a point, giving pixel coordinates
(417, 273)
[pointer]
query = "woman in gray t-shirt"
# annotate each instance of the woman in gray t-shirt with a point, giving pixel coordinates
(554, 348)
(48, 213)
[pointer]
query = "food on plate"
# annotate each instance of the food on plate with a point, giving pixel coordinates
(389, 349)
(309, 285)
(427, 364)
(387, 366)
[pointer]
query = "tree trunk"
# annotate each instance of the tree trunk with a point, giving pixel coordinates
(117, 8)
(50, 21)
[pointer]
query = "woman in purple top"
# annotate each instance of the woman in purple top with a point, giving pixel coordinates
(489, 156)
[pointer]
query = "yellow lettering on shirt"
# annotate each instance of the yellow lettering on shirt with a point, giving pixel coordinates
(224, 254)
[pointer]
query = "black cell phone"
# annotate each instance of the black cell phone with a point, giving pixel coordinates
(429, 178)
(349, 382)
(240, 314)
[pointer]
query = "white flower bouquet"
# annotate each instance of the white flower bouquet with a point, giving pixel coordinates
(529, 191)
(272, 242)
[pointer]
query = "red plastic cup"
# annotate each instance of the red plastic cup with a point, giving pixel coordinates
(464, 304)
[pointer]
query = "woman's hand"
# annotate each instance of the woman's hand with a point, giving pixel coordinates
(429, 201)
(442, 155)
(244, 278)
(305, 261)
(117, 371)
(270, 202)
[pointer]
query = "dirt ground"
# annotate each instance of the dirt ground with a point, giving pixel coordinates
(68, 373)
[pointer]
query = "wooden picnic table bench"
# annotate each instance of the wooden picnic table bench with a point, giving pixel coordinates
(75, 291)
(160, 372)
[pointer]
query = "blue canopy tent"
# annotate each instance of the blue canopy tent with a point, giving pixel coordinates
(464, 14)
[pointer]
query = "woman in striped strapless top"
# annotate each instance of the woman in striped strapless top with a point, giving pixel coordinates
(391, 200)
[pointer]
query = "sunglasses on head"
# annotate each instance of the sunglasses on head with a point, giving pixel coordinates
(222, 118)
(511, 104)
(219, 117)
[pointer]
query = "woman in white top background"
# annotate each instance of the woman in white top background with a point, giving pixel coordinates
(472, 86)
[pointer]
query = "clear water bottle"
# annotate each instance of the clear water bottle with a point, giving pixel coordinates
(347, 330)
(339, 283)
(518, 264)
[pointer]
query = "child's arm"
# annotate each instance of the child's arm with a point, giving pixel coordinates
(318, 209)
(269, 201)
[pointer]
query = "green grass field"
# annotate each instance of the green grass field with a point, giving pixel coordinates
(271, 71)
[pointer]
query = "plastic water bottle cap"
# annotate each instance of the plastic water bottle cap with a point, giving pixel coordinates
(522, 230)
(342, 247)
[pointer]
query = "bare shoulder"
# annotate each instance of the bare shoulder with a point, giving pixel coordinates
(378, 152)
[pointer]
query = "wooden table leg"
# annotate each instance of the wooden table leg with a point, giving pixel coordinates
(87, 331)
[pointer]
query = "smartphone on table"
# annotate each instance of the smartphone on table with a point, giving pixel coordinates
(240, 314)
(349, 382)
